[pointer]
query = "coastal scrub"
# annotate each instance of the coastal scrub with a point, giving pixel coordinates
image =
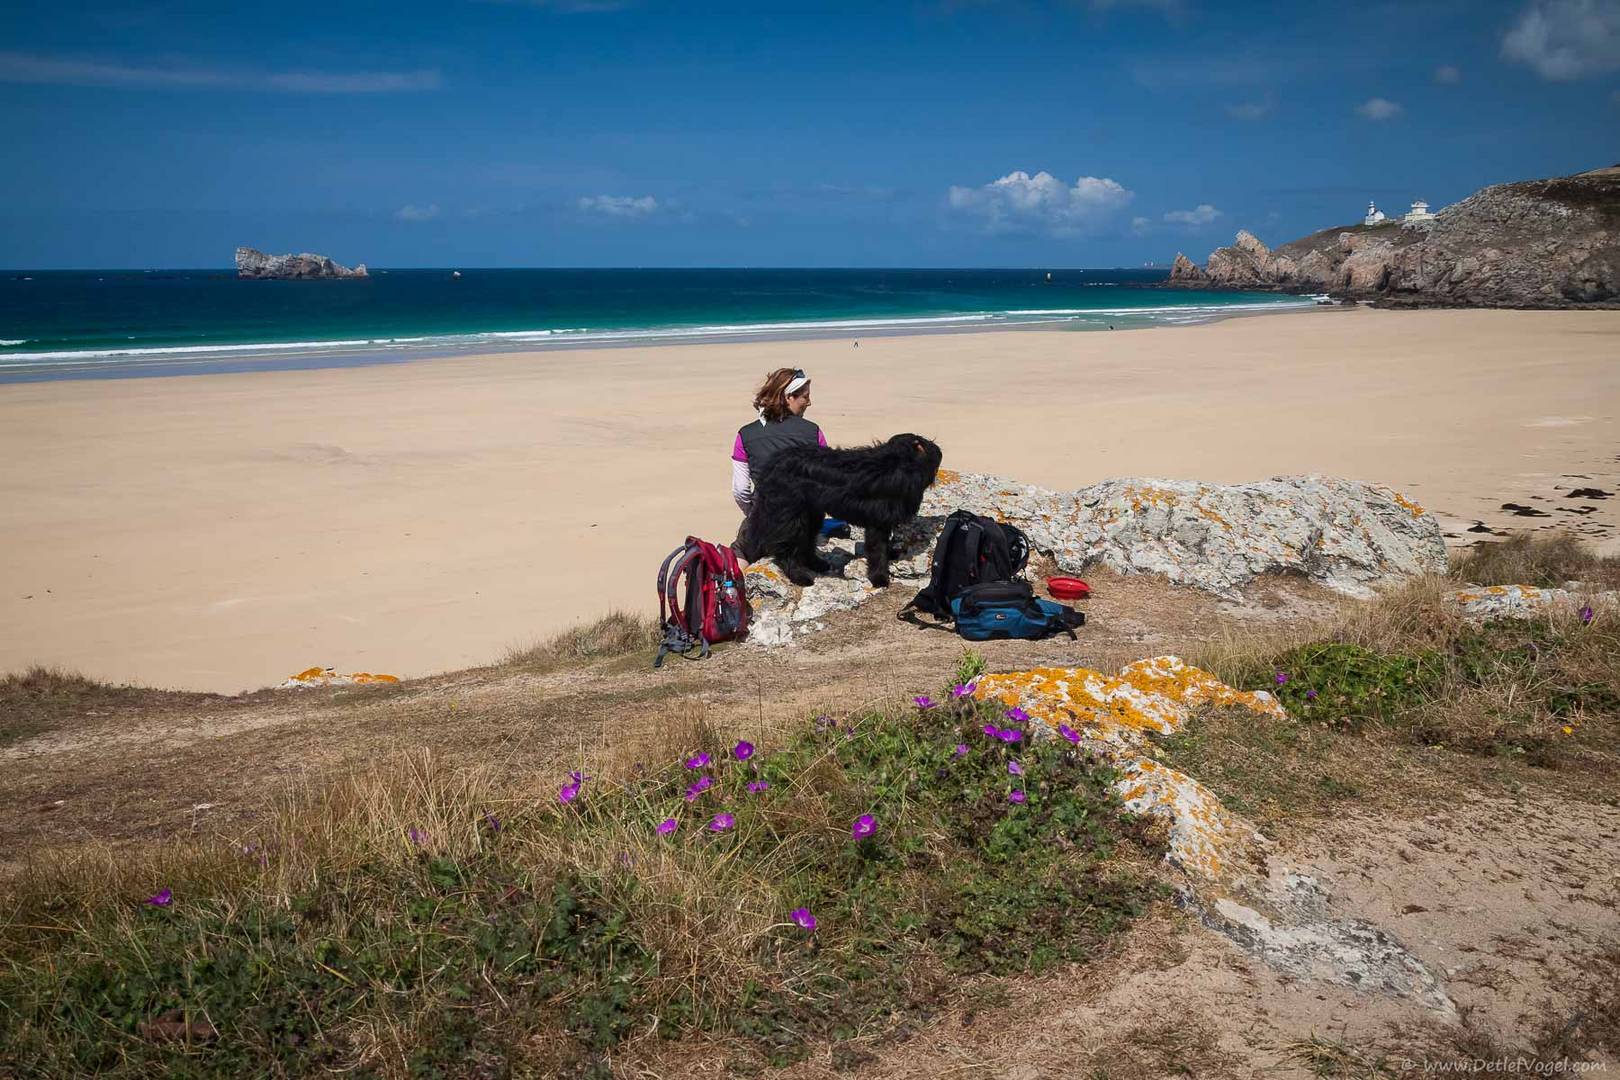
(852, 874)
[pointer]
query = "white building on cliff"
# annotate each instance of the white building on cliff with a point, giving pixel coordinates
(1418, 216)
(1374, 215)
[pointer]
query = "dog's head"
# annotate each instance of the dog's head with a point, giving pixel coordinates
(923, 453)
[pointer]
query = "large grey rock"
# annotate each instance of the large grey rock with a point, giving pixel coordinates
(1341, 533)
(252, 263)
(1345, 534)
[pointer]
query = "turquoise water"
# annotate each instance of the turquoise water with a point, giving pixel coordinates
(99, 324)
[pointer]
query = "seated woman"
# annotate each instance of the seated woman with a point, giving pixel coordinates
(781, 403)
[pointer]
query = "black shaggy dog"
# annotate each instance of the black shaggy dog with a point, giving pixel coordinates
(876, 487)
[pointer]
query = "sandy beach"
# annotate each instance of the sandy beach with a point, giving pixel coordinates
(224, 531)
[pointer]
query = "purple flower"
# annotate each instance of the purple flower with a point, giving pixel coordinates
(667, 826)
(758, 786)
(963, 689)
(1017, 715)
(1009, 735)
(578, 777)
(164, 898)
(961, 749)
(721, 822)
(698, 760)
(991, 730)
(803, 917)
(865, 825)
(1586, 615)
(924, 701)
(568, 793)
(704, 783)
(1310, 695)
(744, 750)
(1015, 769)
(1015, 796)
(418, 837)
(1282, 677)
(1069, 733)
(492, 821)
(823, 722)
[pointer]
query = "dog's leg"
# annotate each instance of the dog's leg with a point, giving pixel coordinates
(877, 555)
(809, 532)
(796, 553)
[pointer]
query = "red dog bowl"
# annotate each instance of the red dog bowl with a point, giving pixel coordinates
(1067, 588)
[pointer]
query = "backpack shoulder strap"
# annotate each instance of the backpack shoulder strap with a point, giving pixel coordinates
(928, 598)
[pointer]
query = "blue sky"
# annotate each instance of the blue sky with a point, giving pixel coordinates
(658, 133)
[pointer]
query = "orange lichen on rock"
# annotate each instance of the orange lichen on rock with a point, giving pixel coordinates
(318, 676)
(1111, 712)
(947, 476)
(1407, 504)
(1150, 695)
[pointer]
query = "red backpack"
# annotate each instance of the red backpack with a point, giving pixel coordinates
(711, 606)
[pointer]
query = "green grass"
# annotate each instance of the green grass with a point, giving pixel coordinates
(418, 922)
(1374, 699)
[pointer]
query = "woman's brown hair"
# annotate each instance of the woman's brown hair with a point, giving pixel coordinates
(771, 400)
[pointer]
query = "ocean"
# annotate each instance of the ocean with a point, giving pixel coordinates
(77, 324)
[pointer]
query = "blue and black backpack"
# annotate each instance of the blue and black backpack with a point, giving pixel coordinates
(974, 585)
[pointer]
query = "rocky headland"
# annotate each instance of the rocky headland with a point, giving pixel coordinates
(1531, 244)
(254, 264)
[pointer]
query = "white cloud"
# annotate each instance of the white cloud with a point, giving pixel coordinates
(1379, 108)
(1447, 75)
(623, 207)
(1202, 214)
(412, 212)
(34, 69)
(1249, 110)
(1566, 39)
(1019, 202)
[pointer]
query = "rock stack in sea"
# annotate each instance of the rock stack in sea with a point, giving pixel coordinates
(1536, 243)
(255, 264)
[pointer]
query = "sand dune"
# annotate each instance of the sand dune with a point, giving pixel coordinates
(223, 531)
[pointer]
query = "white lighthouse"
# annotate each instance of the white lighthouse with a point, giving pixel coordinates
(1374, 215)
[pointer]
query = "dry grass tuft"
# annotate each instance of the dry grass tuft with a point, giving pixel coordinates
(1333, 1060)
(43, 698)
(1546, 561)
(617, 633)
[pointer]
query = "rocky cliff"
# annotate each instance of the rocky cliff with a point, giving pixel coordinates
(1536, 243)
(252, 263)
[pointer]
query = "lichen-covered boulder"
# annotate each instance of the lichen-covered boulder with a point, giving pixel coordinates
(1231, 878)
(1488, 602)
(1342, 533)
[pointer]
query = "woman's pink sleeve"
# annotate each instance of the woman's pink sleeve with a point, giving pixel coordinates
(821, 438)
(739, 454)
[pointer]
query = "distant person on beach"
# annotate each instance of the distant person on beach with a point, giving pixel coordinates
(781, 403)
